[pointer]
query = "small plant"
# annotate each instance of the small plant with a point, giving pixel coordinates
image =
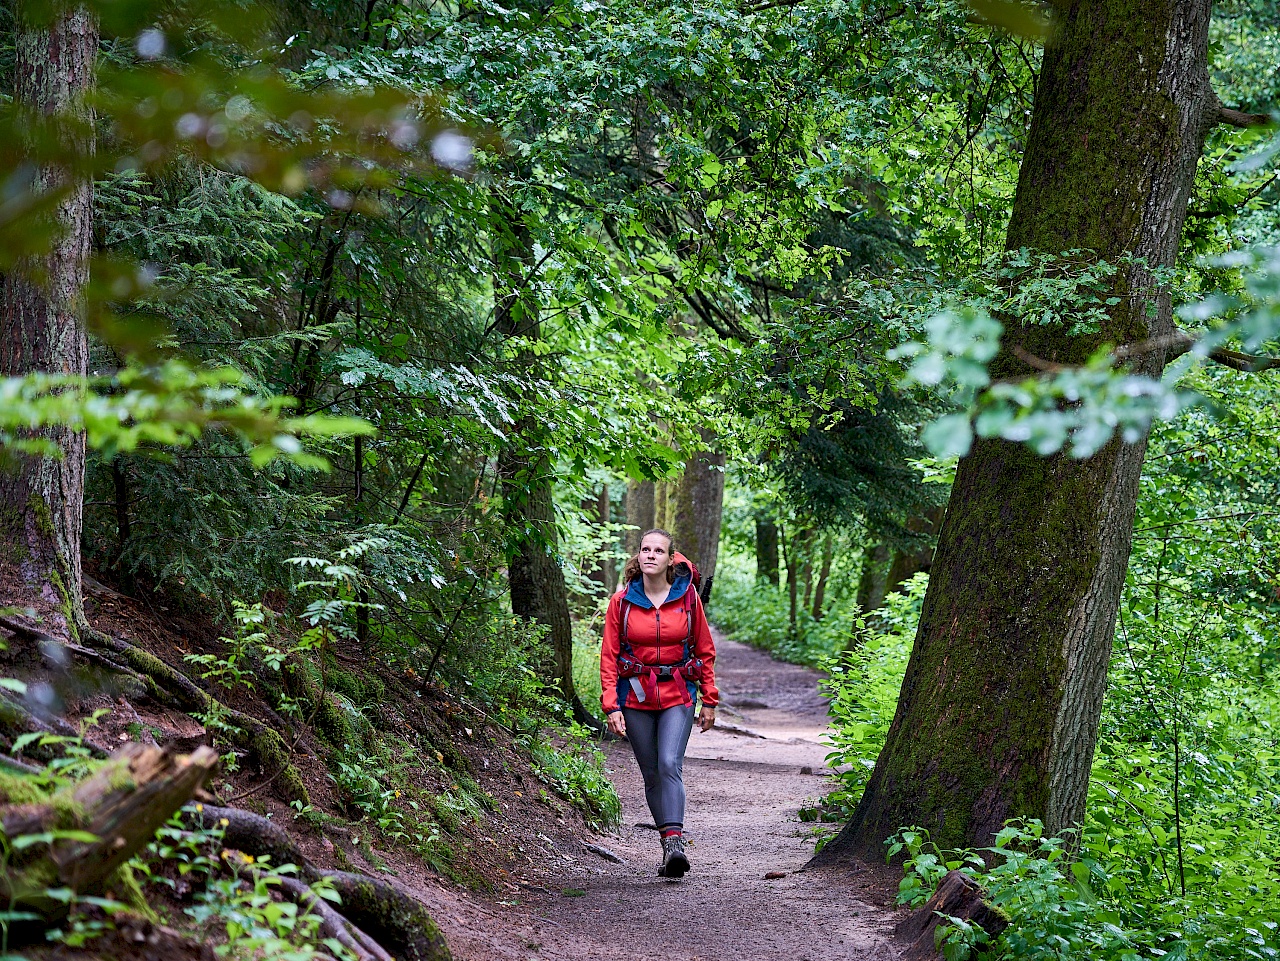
(576, 772)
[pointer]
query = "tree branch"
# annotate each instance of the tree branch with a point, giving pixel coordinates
(1246, 363)
(1238, 118)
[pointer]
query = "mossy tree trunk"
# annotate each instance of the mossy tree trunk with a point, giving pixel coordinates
(534, 576)
(42, 318)
(1000, 704)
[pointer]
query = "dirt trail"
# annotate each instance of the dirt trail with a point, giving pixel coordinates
(744, 793)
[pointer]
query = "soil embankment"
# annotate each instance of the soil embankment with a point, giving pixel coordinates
(745, 788)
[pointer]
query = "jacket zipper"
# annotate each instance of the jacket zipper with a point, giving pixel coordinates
(657, 687)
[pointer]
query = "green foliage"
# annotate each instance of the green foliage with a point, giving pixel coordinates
(576, 772)
(863, 683)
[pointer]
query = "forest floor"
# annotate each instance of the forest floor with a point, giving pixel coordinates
(746, 781)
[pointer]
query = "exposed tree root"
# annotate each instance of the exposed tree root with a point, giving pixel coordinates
(169, 686)
(381, 908)
(332, 924)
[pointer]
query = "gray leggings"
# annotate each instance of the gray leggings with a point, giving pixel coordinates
(658, 739)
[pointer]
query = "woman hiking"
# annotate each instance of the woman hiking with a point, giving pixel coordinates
(656, 657)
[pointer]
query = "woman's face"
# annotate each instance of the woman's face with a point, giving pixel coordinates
(655, 554)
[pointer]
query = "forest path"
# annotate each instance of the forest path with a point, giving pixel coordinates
(744, 793)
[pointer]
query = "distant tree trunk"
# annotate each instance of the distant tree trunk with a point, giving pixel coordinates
(534, 575)
(792, 566)
(661, 517)
(695, 505)
(873, 582)
(1000, 703)
(640, 512)
(42, 322)
(608, 566)
(766, 549)
(807, 541)
(820, 592)
(906, 564)
(120, 486)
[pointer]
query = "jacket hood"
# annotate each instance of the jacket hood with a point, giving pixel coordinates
(685, 573)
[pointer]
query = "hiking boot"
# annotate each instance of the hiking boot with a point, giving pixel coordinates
(674, 861)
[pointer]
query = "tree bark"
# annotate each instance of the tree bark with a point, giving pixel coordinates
(1000, 703)
(766, 549)
(42, 321)
(640, 512)
(695, 504)
(661, 505)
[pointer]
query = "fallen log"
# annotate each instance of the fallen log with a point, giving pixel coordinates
(86, 831)
(957, 896)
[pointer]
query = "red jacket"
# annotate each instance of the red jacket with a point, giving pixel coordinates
(671, 634)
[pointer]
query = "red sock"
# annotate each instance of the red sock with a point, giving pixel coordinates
(672, 832)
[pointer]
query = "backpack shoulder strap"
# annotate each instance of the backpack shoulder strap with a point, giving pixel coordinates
(623, 643)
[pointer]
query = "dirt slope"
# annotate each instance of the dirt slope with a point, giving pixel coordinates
(744, 792)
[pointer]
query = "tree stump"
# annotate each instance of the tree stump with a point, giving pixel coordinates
(958, 896)
(120, 807)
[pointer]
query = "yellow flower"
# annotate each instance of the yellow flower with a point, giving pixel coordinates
(397, 793)
(248, 858)
(224, 822)
(199, 808)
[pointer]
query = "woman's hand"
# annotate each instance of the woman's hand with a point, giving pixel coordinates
(617, 723)
(706, 718)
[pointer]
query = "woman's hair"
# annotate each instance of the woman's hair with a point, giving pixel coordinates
(632, 570)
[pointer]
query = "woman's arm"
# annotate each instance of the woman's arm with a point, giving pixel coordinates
(704, 647)
(609, 647)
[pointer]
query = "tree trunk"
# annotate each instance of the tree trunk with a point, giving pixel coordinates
(695, 504)
(1001, 699)
(608, 565)
(42, 325)
(906, 564)
(534, 576)
(640, 512)
(806, 565)
(661, 516)
(789, 561)
(766, 549)
(873, 581)
(824, 573)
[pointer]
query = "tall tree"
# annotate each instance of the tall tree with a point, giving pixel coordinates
(42, 316)
(695, 505)
(640, 512)
(534, 576)
(1000, 703)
